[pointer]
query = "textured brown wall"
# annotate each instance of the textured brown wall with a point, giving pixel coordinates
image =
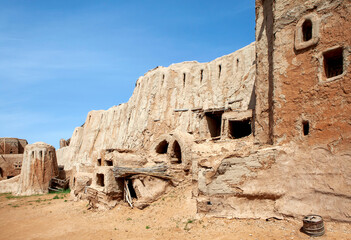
(291, 86)
(12, 145)
(8, 163)
(11, 156)
(264, 77)
(301, 90)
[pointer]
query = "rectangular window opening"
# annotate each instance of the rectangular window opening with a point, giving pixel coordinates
(333, 62)
(108, 162)
(214, 123)
(100, 179)
(239, 128)
(306, 128)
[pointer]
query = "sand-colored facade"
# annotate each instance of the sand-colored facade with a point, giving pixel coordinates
(262, 132)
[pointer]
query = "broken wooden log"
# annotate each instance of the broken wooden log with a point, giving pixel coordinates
(155, 171)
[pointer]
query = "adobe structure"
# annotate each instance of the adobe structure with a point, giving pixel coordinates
(39, 170)
(11, 156)
(262, 132)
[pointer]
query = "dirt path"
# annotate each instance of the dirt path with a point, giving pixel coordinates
(172, 217)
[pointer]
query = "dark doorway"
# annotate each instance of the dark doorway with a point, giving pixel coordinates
(100, 179)
(162, 147)
(177, 152)
(214, 122)
(239, 129)
(1, 174)
(131, 189)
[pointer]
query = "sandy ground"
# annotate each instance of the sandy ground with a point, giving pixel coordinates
(171, 217)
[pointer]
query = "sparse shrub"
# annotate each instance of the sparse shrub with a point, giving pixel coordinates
(186, 228)
(63, 191)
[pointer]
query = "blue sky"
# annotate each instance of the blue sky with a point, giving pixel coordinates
(61, 59)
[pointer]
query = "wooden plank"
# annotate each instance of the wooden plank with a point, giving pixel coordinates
(234, 101)
(157, 171)
(128, 196)
(180, 110)
(167, 177)
(197, 109)
(53, 189)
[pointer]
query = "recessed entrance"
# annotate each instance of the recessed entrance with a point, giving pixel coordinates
(176, 153)
(131, 189)
(239, 129)
(100, 179)
(1, 174)
(214, 123)
(162, 147)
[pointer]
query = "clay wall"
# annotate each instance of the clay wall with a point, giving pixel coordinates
(295, 163)
(309, 106)
(12, 145)
(167, 99)
(11, 156)
(263, 114)
(39, 167)
(10, 165)
(301, 109)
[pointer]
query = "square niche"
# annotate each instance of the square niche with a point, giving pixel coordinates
(333, 64)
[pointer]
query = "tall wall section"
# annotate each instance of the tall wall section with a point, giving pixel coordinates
(303, 72)
(303, 109)
(167, 99)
